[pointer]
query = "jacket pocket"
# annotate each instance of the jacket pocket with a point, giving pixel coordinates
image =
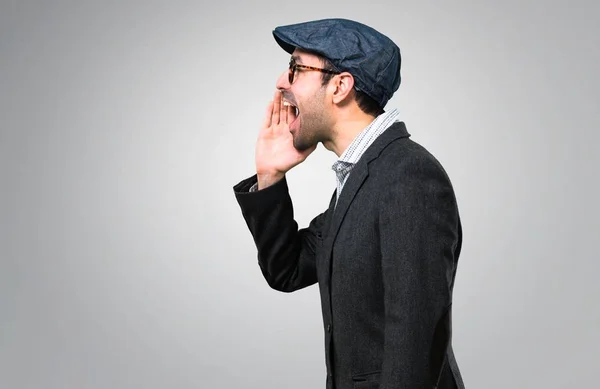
(366, 380)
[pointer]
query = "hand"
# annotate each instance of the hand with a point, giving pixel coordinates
(275, 151)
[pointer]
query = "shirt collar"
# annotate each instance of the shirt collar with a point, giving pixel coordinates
(368, 135)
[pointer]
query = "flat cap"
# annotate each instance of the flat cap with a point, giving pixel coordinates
(372, 58)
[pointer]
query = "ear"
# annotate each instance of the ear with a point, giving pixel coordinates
(342, 87)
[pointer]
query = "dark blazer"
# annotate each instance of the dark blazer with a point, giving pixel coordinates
(385, 260)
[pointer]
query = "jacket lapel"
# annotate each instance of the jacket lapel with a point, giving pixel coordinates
(355, 180)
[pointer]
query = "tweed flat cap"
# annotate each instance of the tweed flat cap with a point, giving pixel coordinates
(371, 57)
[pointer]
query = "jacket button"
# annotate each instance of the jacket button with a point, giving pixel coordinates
(328, 327)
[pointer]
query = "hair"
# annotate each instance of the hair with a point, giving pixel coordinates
(365, 102)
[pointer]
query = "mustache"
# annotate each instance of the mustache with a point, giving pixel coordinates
(289, 98)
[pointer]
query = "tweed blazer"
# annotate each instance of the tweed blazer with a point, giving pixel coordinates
(385, 260)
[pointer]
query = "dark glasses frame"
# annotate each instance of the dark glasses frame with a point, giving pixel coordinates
(294, 67)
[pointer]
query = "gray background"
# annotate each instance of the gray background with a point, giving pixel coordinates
(125, 262)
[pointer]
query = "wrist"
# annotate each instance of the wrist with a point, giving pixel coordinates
(267, 179)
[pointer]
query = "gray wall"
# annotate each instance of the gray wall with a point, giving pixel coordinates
(125, 262)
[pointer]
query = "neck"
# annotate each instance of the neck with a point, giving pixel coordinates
(345, 129)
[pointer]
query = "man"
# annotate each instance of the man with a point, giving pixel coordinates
(385, 251)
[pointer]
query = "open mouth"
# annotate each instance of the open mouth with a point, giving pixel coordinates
(295, 110)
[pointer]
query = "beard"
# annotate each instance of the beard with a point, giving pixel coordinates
(314, 125)
(312, 130)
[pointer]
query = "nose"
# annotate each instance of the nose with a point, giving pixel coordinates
(283, 81)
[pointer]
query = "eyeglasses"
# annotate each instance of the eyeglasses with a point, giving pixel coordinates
(294, 68)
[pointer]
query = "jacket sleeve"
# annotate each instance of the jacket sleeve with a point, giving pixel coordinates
(286, 255)
(420, 243)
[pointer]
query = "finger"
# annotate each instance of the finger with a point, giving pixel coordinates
(284, 112)
(276, 108)
(268, 114)
(291, 114)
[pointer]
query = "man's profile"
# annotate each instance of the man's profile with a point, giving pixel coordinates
(385, 252)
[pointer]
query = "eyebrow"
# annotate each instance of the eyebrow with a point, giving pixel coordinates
(297, 59)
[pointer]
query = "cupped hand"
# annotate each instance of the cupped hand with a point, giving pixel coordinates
(275, 151)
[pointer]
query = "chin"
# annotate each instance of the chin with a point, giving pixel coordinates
(300, 147)
(302, 144)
